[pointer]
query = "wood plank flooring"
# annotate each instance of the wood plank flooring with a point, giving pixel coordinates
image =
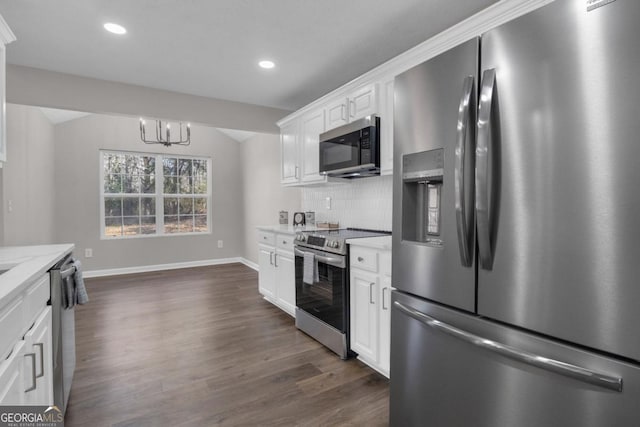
(200, 347)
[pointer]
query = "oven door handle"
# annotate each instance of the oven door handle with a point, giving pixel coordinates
(336, 262)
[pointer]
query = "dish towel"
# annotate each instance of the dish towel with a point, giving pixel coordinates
(80, 290)
(68, 293)
(310, 269)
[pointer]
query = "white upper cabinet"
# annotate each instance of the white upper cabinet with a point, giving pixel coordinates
(312, 127)
(360, 103)
(6, 36)
(289, 153)
(386, 125)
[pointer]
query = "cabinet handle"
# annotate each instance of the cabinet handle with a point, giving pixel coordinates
(284, 242)
(275, 260)
(352, 108)
(296, 172)
(33, 371)
(360, 259)
(41, 347)
(271, 258)
(371, 285)
(383, 307)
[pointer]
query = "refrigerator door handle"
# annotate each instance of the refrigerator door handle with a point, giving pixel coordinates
(464, 118)
(485, 255)
(573, 371)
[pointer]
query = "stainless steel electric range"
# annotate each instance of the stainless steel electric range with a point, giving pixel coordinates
(322, 295)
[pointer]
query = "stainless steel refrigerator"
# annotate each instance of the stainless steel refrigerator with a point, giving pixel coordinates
(516, 225)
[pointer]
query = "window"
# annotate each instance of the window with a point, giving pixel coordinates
(153, 194)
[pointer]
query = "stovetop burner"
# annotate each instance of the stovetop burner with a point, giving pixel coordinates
(333, 240)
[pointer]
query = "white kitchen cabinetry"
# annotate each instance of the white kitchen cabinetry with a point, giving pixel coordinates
(359, 103)
(370, 287)
(276, 279)
(312, 127)
(289, 153)
(26, 371)
(6, 37)
(386, 125)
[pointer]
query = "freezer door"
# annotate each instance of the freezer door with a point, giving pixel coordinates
(563, 200)
(434, 134)
(453, 369)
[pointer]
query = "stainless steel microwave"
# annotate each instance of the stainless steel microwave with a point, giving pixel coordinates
(352, 150)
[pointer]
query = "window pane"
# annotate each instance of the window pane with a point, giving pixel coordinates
(199, 167)
(113, 183)
(131, 184)
(113, 163)
(148, 165)
(131, 225)
(148, 225)
(170, 185)
(169, 167)
(113, 227)
(148, 183)
(186, 223)
(170, 223)
(131, 206)
(171, 206)
(186, 206)
(200, 205)
(200, 223)
(112, 206)
(148, 206)
(184, 167)
(133, 164)
(200, 184)
(185, 185)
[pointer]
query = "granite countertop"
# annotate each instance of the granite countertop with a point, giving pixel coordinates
(25, 264)
(288, 228)
(380, 242)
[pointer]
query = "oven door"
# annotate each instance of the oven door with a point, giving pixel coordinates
(340, 153)
(326, 299)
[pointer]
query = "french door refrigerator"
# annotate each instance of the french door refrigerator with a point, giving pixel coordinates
(516, 236)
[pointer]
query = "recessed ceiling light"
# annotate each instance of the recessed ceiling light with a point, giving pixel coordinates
(115, 28)
(266, 64)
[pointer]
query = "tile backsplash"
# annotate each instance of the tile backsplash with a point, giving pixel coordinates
(362, 203)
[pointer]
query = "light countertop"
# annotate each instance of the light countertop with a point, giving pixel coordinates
(380, 242)
(288, 228)
(25, 264)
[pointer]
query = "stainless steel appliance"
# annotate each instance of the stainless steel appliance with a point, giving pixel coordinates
(515, 243)
(63, 333)
(322, 307)
(352, 150)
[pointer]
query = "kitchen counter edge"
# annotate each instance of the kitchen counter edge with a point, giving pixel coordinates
(380, 242)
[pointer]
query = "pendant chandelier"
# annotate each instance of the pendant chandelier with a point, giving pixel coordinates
(163, 134)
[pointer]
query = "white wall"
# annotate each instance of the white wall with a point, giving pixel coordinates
(28, 178)
(361, 203)
(263, 195)
(78, 194)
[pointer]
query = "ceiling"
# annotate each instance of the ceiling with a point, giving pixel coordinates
(211, 48)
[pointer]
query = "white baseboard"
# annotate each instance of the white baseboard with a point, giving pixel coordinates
(250, 264)
(172, 266)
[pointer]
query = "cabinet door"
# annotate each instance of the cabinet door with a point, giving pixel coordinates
(38, 341)
(3, 108)
(286, 281)
(266, 276)
(289, 167)
(363, 102)
(384, 327)
(364, 314)
(12, 382)
(337, 113)
(312, 127)
(386, 125)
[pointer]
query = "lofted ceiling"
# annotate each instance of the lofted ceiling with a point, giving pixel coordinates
(211, 48)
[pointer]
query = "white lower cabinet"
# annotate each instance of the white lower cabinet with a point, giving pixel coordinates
(370, 299)
(12, 391)
(277, 276)
(39, 361)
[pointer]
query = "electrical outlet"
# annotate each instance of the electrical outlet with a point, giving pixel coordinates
(88, 253)
(328, 200)
(220, 243)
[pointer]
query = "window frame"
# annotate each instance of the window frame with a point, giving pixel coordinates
(159, 194)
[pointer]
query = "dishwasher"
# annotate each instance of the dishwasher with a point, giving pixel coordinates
(63, 331)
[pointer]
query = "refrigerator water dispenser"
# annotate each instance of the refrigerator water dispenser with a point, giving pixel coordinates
(422, 189)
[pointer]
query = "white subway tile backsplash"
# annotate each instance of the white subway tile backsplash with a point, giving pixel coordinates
(362, 203)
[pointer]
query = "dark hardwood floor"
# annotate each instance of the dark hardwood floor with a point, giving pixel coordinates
(200, 347)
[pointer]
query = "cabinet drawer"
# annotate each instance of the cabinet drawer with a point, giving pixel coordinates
(266, 238)
(364, 258)
(11, 325)
(36, 299)
(285, 241)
